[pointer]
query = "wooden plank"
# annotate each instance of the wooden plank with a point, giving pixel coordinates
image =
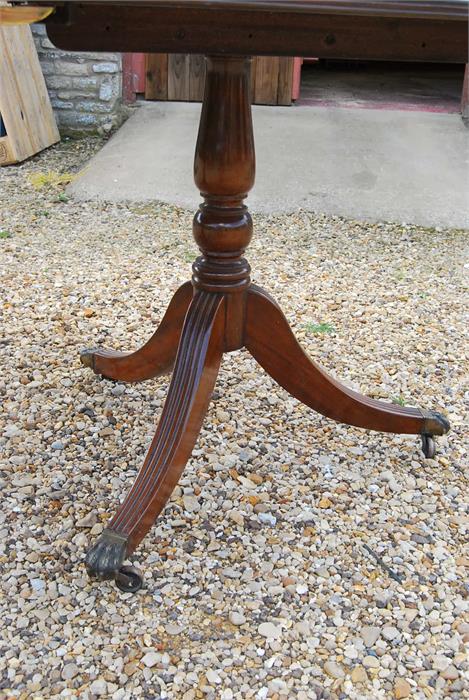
(24, 102)
(178, 77)
(271, 78)
(285, 81)
(196, 77)
(6, 155)
(437, 9)
(156, 76)
(341, 34)
(23, 15)
(266, 72)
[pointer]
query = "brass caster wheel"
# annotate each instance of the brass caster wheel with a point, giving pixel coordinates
(129, 579)
(428, 446)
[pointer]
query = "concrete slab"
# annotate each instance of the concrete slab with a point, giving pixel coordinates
(376, 165)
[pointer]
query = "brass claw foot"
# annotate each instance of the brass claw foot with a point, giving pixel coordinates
(87, 357)
(105, 558)
(129, 579)
(434, 424)
(428, 446)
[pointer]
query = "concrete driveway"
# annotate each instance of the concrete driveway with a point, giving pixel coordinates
(401, 166)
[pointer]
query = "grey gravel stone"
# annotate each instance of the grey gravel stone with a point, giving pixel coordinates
(237, 618)
(269, 630)
(261, 606)
(69, 671)
(369, 635)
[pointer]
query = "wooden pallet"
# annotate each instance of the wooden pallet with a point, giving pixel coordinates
(25, 107)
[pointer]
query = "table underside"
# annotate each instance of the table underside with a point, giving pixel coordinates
(423, 30)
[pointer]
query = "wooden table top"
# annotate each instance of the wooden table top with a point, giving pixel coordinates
(442, 9)
(427, 30)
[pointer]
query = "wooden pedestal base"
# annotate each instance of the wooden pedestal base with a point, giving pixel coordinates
(221, 311)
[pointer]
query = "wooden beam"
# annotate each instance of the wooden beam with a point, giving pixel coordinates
(169, 29)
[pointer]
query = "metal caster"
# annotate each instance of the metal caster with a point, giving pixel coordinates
(129, 579)
(428, 446)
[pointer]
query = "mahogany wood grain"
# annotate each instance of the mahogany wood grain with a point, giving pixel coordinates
(154, 358)
(191, 387)
(271, 342)
(400, 31)
(197, 363)
(443, 9)
(226, 312)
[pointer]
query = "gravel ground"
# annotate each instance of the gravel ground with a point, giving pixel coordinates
(297, 558)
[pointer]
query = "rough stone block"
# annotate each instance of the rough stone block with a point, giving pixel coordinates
(38, 30)
(73, 95)
(81, 121)
(84, 83)
(61, 104)
(84, 87)
(69, 68)
(93, 106)
(46, 43)
(58, 81)
(48, 68)
(105, 67)
(109, 89)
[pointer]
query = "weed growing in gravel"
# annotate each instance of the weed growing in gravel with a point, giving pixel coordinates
(5, 234)
(188, 256)
(62, 197)
(399, 401)
(51, 180)
(319, 328)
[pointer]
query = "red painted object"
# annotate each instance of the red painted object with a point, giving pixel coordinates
(133, 75)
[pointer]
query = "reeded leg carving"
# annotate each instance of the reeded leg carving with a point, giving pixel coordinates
(196, 368)
(155, 357)
(270, 340)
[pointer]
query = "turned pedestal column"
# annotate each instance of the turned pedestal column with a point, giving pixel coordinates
(221, 311)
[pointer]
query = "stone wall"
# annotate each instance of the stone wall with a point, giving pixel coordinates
(85, 88)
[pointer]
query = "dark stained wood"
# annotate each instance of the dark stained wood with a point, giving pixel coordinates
(435, 31)
(197, 364)
(156, 76)
(443, 9)
(270, 341)
(156, 357)
(224, 172)
(226, 313)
